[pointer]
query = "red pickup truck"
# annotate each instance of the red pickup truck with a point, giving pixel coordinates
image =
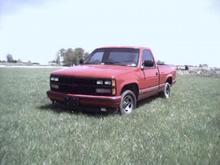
(112, 78)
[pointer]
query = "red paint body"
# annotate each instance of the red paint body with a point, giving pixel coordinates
(147, 80)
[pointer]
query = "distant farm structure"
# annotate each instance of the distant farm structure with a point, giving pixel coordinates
(202, 69)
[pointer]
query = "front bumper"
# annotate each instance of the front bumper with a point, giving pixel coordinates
(87, 100)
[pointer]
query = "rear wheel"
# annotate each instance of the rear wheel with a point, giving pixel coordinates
(167, 90)
(128, 102)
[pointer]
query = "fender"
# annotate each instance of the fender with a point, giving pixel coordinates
(123, 84)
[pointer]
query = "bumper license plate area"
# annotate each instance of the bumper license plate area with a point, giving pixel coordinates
(72, 101)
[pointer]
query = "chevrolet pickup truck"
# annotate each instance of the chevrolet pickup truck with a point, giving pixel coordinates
(112, 78)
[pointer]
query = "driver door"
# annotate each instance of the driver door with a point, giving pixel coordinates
(150, 79)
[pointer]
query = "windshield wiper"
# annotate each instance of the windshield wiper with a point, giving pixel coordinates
(95, 63)
(114, 63)
(110, 62)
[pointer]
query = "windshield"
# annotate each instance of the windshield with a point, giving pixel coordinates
(114, 56)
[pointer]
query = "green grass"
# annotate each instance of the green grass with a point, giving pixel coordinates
(184, 129)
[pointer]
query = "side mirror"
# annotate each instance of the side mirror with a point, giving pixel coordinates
(148, 63)
(81, 61)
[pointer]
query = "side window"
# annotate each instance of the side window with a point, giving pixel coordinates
(96, 57)
(147, 56)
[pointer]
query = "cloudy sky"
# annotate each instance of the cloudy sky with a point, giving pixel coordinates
(177, 31)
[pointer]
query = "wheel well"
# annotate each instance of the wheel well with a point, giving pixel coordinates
(169, 80)
(133, 87)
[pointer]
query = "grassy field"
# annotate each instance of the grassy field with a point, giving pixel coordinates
(184, 129)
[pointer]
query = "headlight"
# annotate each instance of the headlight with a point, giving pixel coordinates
(106, 87)
(54, 78)
(99, 82)
(105, 82)
(108, 82)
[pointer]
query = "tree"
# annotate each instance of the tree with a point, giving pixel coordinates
(9, 58)
(159, 62)
(186, 67)
(57, 60)
(60, 56)
(86, 54)
(78, 55)
(70, 56)
(62, 52)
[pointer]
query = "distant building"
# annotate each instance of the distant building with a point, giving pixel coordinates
(203, 65)
(52, 63)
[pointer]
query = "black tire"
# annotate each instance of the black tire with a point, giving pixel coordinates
(128, 102)
(167, 91)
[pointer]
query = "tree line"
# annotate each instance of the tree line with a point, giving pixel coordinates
(10, 59)
(70, 57)
(66, 57)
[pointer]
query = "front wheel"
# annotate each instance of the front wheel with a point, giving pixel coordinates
(167, 90)
(128, 102)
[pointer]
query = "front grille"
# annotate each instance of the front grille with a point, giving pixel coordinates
(72, 85)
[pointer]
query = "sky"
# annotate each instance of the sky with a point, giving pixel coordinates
(177, 31)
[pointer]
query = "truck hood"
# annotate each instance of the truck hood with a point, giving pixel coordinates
(94, 71)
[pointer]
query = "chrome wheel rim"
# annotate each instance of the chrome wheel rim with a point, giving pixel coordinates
(128, 104)
(167, 91)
